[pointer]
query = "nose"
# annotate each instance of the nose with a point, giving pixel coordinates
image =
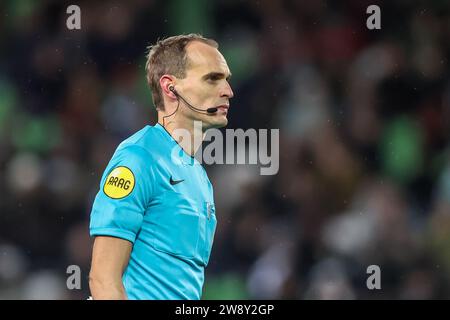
(227, 91)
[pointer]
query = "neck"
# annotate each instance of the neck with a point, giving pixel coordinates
(189, 133)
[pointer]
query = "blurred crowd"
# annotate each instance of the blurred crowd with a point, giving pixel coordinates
(364, 119)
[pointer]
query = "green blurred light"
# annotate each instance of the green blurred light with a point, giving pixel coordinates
(241, 59)
(8, 102)
(225, 287)
(142, 89)
(402, 149)
(18, 10)
(444, 185)
(190, 17)
(36, 133)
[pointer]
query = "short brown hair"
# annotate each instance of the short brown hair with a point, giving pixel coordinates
(168, 56)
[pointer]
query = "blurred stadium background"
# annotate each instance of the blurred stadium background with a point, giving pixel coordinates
(364, 120)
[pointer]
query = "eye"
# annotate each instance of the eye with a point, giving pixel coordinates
(212, 80)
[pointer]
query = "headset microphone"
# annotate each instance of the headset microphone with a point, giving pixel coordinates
(209, 110)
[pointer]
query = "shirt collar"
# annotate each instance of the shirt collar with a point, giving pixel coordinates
(177, 152)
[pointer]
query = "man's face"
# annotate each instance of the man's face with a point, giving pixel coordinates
(206, 84)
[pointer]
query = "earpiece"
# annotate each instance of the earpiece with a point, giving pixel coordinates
(171, 87)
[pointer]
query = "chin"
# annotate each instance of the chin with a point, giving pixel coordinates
(218, 122)
(223, 121)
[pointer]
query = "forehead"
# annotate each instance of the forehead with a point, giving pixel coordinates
(205, 58)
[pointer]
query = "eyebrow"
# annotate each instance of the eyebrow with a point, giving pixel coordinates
(219, 75)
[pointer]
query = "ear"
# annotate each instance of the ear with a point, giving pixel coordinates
(166, 81)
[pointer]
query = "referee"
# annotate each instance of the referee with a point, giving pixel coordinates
(153, 218)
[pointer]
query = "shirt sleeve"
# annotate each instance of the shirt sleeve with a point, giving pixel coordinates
(126, 189)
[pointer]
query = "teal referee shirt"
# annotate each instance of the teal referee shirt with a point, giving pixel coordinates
(156, 196)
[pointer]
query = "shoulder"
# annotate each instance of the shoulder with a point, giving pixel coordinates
(146, 142)
(135, 153)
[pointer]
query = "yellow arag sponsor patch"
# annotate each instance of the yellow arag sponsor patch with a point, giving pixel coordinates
(119, 183)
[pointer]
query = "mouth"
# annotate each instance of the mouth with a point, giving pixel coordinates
(223, 107)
